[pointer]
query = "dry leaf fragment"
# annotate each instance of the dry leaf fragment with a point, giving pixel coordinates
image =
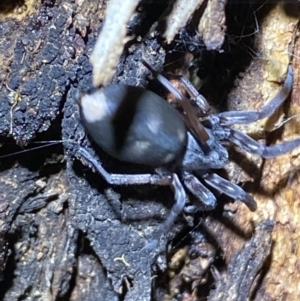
(111, 40)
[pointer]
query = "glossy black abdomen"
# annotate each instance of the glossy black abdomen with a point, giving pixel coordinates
(133, 124)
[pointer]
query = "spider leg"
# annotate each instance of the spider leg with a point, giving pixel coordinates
(125, 179)
(252, 146)
(199, 99)
(192, 120)
(155, 179)
(180, 201)
(230, 189)
(205, 196)
(246, 117)
(188, 86)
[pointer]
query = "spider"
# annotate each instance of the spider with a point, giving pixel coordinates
(135, 125)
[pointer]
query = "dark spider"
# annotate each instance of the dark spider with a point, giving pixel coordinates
(137, 126)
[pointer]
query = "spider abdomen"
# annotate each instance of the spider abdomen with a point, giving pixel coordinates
(133, 124)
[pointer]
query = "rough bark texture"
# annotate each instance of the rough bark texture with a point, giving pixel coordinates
(65, 234)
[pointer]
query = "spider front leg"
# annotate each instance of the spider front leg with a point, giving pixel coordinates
(246, 117)
(205, 196)
(230, 189)
(252, 146)
(242, 117)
